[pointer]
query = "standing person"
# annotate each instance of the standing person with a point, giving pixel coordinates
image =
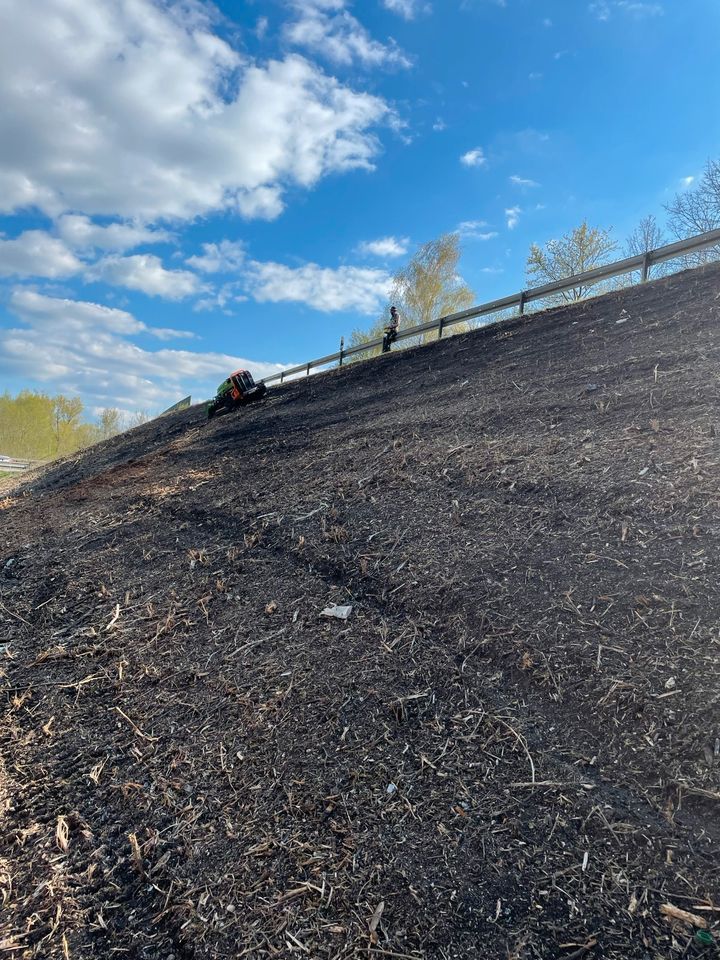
(391, 330)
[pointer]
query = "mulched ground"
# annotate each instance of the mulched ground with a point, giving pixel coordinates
(511, 749)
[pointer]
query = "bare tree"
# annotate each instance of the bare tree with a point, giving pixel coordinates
(698, 211)
(138, 419)
(110, 422)
(648, 235)
(583, 249)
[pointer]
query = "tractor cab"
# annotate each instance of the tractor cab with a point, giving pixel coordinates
(239, 388)
(243, 383)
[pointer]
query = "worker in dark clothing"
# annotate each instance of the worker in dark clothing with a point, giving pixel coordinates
(391, 330)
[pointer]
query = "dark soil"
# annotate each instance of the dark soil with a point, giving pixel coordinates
(509, 750)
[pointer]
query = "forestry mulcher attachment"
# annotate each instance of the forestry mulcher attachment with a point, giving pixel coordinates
(238, 390)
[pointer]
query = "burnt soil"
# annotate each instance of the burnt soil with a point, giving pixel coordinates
(509, 750)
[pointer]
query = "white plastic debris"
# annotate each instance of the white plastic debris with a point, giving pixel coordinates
(337, 611)
(670, 683)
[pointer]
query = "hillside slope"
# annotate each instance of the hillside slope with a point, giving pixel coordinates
(509, 750)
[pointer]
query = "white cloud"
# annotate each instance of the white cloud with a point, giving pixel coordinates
(523, 181)
(535, 76)
(385, 246)
(686, 182)
(169, 333)
(474, 158)
(408, 9)
(640, 10)
(332, 32)
(473, 230)
(145, 272)
(605, 9)
(74, 316)
(439, 124)
(471, 4)
(323, 288)
(600, 10)
(261, 27)
(83, 348)
(47, 313)
(139, 110)
(80, 233)
(225, 257)
(512, 215)
(36, 254)
(222, 299)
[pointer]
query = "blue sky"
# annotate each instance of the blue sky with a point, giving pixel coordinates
(186, 187)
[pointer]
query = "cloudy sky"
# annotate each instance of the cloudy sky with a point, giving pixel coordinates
(186, 186)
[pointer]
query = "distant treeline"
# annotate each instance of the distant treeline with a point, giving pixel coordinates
(39, 427)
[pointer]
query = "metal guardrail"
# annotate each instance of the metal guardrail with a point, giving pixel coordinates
(642, 262)
(18, 466)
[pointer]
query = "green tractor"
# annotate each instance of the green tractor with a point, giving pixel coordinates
(238, 390)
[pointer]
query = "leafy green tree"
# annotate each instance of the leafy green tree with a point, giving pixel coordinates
(39, 427)
(66, 415)
(375, 332)
(584, 248)
(427, 288)
(430, 285)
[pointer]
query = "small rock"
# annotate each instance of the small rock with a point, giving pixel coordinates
(670, 683)
(339, 612)
(391, 789)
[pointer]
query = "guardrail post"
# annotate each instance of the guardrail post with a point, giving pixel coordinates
(441, 324)
(522, 303)
(645, 268)
(282, 374)
(307, 372)
(342, 347)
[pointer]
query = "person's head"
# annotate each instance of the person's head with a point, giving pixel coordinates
(393, 312)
